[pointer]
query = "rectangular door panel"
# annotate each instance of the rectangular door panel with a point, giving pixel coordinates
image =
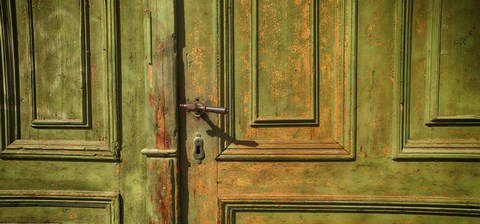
(439, 113)
(60, 81)
(59, 207)
(340, 209)
(287, 77)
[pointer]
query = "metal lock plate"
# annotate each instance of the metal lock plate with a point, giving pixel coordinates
(198, 151)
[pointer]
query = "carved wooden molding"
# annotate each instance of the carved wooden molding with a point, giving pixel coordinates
(232, 205)
(339, 146)
(312, 119)
(85, 120)
(435, 148)
(14, 147)
(109, 202)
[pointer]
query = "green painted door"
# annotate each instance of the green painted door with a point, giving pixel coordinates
(340, 111)
(72, 120)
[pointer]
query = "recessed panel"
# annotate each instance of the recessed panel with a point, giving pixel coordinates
(440, 77)
(60, 69)
(61, 94)
(459, 67)
(346, 218)
(59, 207)
(287, 79)
(355, 210)
(284, 78)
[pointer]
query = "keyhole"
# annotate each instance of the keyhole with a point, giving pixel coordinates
(198, 153)
(197, 150)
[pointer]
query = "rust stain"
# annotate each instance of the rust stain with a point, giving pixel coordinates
(117, 169)
(159, 195)
(160, 137)
(163, 138)
(162, 209)
(151, 99)
(157, 98)
(160, 48)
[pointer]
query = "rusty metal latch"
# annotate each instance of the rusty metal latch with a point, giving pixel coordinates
(198, 109)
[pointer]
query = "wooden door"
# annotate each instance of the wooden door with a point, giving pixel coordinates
(72, 115)
(340, 111)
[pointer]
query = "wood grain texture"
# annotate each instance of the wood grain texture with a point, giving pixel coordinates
(162, 198)
(132, 171)
(162, 190)
(160, 75)
(366, 176)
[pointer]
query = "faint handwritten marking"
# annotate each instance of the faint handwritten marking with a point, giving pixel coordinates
(462, 41)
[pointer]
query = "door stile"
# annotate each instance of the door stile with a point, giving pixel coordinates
(161, 148)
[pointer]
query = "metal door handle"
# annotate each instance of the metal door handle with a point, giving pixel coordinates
(198, 109)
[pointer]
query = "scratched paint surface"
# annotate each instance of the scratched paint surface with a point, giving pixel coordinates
(58, 91)
(283, 75)
(283, 61)
(284, 57)
(196, 70)
(372, 173)
(57, 27)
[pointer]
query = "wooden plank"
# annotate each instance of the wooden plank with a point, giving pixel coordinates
(162, 190)
(161, 113)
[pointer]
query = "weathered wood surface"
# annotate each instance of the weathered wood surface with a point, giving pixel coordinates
(90, 124)
(265, 72)
(162, 197)
(376, 72)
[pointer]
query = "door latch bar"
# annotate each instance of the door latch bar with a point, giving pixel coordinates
(198, 109)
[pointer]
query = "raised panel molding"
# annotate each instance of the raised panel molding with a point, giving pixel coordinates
(257, 119)
(231, 206)
(85, 119)
(406, 147)
(109, 202)
(13, 146)
(433, 75)
(339, 145)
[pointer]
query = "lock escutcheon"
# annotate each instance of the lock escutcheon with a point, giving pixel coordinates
(198, 151)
